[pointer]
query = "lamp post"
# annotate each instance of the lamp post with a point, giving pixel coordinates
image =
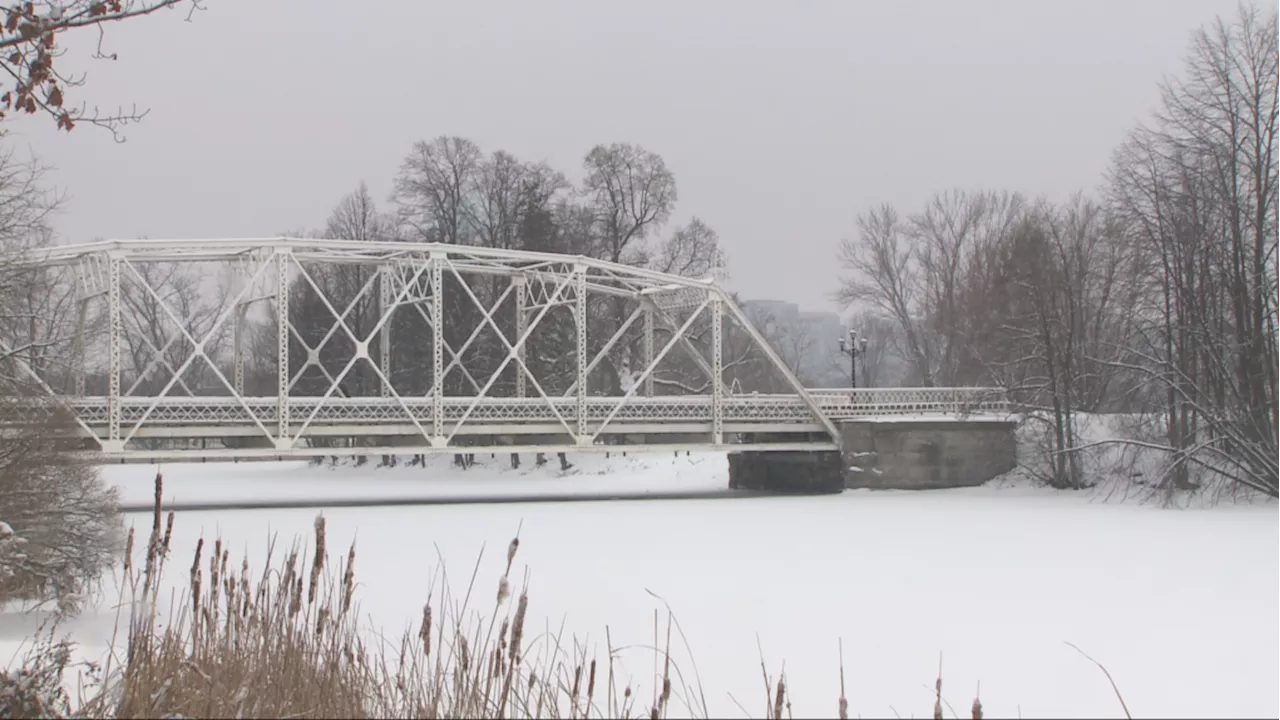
(853, 347)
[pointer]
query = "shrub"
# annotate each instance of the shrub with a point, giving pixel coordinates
(61, 524)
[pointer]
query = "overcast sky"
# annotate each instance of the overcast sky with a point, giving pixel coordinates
(780, 120)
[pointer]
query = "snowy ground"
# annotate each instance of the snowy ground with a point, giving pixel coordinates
(1180, 605)
(635, 474)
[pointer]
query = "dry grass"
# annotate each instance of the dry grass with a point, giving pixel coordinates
(284, 641)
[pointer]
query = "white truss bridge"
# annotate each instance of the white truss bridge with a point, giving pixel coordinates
(404, 348)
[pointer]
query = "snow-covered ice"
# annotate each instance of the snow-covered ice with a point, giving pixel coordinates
(1180, 605)
(634, 474)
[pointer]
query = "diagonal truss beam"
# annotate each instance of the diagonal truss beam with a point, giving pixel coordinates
(635, 315)
(313, 360)
(695, 354)
(780, 366)
(653, 363)
(456, 356)
(197, 350)
(313, 356)
(9, 354)
(475, 333)
(513, 351)
(158, 358)
(362, 351)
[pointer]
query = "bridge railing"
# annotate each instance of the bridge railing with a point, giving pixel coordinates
(747, 407)
(861, 402)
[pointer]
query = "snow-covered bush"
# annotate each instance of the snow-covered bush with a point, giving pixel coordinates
(61, 528)
(34, 688)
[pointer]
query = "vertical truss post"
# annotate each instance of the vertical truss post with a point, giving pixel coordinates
(437, 349)
(521, 325)
(283, 441)
(648, 349)
(717, 370)
(237, 348)
(385, 309)
(114, 328)
(77, 366)
(580, 312)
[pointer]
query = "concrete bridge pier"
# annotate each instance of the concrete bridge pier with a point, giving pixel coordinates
(785, 471)
(887, 454)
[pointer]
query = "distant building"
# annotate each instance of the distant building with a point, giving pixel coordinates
(808, 341)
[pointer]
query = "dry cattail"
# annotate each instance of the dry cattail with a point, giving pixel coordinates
(290, 566)
(155, 508)
(245, 588)
(295, 598)
(195, 596)
(937, 699)
(349, 579)
(128, 551)
(591, 682)
(977, 709)
(153, 544)
(322, 620)
(214, 559)
(511, 551)
(502, 637)
(517, 627)
(195, 577)
(168, 534)
(504, 589)
(195, 564)
(778, 699)
(424, 633)
(577, 683)
(317, 564)
(229, 586)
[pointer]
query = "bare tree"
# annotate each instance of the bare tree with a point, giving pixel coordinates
(1198, 190)
(60, 517)
(632, 194)
(57, 519)
(30, 54)
(692, 251)
(505, 190)
(931, 274)
(29, 328)
(434, 188)
(884, 273)
(357, 217)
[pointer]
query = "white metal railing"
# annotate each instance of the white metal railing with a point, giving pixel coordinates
(750, 407)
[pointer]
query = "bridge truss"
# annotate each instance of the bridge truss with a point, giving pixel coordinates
(291, 347)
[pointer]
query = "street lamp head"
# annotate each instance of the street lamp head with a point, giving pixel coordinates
(843, 345)
(862, 343)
